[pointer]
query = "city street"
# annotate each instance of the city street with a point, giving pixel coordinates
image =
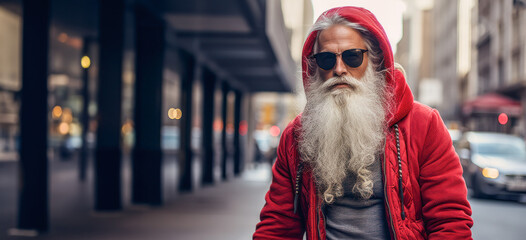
(496, 219)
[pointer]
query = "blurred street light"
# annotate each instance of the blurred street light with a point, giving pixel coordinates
(175, 113)
(67, 115)
(85, 62)
(63, 128)
(243, 128)
(218, 125)
(57, 112)
(274, 131)
(127, 127)
(63, 38)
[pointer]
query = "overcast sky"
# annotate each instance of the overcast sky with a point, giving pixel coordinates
(388, 12)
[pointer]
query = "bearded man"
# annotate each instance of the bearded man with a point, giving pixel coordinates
(363, 160)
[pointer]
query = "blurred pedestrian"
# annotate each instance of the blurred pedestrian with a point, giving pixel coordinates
(258, 155)
(363, 160)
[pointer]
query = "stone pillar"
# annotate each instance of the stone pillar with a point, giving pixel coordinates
(147, 153)
(224, 157)
(209, 83)
(185, 154)
(33, 199)
(238, 160)
(108, 152)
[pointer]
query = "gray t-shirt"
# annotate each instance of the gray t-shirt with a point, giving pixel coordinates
(350, 217)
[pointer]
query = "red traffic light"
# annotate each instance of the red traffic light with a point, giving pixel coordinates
(274, 131)
(503, 119)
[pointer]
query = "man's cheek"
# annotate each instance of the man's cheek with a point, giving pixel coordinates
(325, 75)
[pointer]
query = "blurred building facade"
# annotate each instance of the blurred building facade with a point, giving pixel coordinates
(278, 109)
(499, 44)
(415, 52)
(298, 17)
(9, 82)
(476, 50)
(445, 19)
(139, 84)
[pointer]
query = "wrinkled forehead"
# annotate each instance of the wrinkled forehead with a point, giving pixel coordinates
(338, 38)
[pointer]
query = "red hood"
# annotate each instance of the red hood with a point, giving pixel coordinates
(403, 98)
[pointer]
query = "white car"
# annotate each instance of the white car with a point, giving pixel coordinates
(494, 164)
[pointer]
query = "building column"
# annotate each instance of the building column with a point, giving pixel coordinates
(237, 146)
(225, 151)
(33, 200)
(108, 153)
(147, 153)
(185, 152)
(209, 84)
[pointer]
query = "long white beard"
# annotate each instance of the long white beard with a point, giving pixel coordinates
(343, 132)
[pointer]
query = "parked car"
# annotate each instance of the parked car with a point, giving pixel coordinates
(494, 164)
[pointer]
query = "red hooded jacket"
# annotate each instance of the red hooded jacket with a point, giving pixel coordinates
(432, 201)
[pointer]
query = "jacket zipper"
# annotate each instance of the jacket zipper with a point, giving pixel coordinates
(385, 193)
(318, 212)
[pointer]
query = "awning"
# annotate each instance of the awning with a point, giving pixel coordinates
(492, 103)
(244, 40)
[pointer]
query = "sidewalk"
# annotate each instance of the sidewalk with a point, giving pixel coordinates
(8, 156)
(227, 210)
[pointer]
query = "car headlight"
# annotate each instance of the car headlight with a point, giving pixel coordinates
(490, 173)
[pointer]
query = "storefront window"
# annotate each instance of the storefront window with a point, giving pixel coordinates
(10, 83)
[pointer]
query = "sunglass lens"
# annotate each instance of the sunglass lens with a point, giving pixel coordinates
(326, 60)
(353, 57)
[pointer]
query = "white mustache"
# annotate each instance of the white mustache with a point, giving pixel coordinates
(347, 80)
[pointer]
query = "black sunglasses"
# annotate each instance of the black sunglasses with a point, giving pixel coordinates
(352, 57)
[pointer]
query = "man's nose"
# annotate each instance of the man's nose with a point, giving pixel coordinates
(340, 68)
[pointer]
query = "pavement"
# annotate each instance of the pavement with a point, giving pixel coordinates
(226, 210)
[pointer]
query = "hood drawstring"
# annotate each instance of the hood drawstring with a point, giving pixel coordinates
(297, 190)
(400, 186)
